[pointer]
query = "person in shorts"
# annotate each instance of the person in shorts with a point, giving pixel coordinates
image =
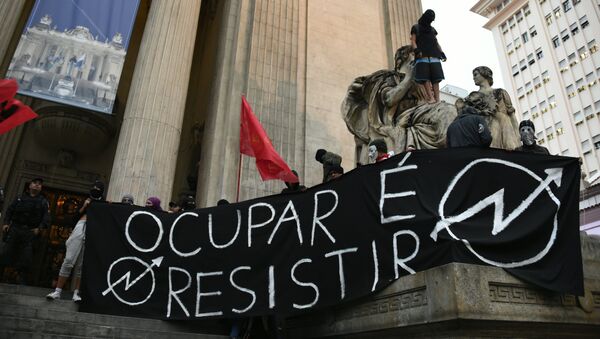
(428, 56)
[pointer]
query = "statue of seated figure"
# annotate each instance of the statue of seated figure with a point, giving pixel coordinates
(389, 105)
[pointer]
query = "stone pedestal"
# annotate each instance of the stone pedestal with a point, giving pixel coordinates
(464, 301)
(146, 155)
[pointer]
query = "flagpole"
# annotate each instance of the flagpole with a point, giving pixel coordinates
(237, 196)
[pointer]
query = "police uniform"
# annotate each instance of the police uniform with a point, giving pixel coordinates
(23, 215)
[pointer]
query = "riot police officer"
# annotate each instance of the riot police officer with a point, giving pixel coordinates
(23, 220)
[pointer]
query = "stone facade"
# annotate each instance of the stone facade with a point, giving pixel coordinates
(174, 129)
(464, 301)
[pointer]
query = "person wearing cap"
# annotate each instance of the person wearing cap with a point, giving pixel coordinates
(527, 132)
(329, 160)
(127, 199)
(23, 221)
(73, 260)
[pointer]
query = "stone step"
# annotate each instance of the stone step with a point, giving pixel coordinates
(27, 310)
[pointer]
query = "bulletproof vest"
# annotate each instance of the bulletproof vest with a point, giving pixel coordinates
(28, 211)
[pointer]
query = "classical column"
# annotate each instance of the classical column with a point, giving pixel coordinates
(144, 163)
(10, 12)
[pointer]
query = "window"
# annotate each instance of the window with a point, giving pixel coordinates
(539, 53)
(575, 2)
(522, 64)
(587, 112)
(589, 77)
(572, 59)
(534, 112)
(570, 91)
(579, 84)
(526, 10)
(544, 106)
(536, 82)
(565, 152)
(519, 16)
(549, 133)
(564, 34)
(525, 37)
(517, 43)
(557, 12)
(578, 117)
(583, 22)
(586, 147)
(582, 53)
(555, 41)
(592, 46)
(596, 141)
(566, 6)
(559, 128)
(545, 76)
(504, 28)
(511, 22)
(574, 28)
(532, 31)
(540, 136)
(520, 91)
(526, 115)
(530, 59)
(515, 70)
(509, 46)
(552, 101)
(548, 19)
(563, 65)
(597, 105)
(528, 86)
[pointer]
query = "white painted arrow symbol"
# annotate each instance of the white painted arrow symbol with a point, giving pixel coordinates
(155, 262)
(497, 199)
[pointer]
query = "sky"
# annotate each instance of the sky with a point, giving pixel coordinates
(464, 40)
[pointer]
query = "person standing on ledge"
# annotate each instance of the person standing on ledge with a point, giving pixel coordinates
(428, 56)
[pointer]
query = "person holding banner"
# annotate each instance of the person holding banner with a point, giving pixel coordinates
(75, 245)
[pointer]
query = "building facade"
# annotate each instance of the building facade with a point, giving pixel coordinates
(548, 51)
(174, 129)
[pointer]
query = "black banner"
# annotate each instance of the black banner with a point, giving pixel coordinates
(342, 240)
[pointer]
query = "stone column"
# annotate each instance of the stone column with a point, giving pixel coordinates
(10, 13)
(144, 163)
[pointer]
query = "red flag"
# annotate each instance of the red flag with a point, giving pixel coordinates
(255, 142)
(12, 111)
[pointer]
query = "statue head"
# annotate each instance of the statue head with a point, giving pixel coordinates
(527, 132)
(482, 73)
(403, 55)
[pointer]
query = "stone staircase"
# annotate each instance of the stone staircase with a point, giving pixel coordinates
(25, 313)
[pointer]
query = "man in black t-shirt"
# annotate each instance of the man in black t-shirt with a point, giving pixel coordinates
(428, 54)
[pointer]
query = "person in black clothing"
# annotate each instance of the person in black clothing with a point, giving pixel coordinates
(468, 129)
(428, 54)
(329, 161)
(527, 132)
(24, 220)
(293, 187)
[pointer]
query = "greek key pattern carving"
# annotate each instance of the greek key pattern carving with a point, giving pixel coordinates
(389, 303)
(518, 294)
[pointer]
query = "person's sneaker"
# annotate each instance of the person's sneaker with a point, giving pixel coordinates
(53, 296)
(76, 297)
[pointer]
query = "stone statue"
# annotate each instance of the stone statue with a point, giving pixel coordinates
(496, 106)
(388, 105)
